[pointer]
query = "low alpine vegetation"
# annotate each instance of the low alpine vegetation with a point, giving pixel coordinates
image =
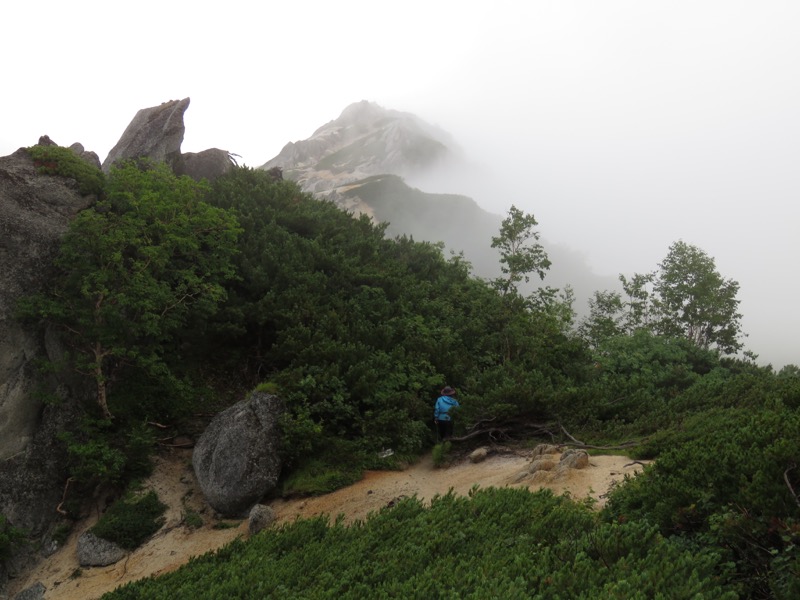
(499, 543)
(168, 287)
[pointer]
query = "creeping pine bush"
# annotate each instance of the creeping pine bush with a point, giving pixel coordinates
(10, 537)
(729, 482)
(101, 451)
(131, 520)
(497, 543)
(57, 160)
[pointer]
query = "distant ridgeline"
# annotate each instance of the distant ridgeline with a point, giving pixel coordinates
(361, 162)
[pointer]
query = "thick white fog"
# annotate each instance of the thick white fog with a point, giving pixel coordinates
(623, 126)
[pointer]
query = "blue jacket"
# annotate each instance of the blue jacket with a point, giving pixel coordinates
(443, 405)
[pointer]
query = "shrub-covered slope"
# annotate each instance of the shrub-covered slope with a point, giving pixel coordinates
(358, 332)
(497, 544)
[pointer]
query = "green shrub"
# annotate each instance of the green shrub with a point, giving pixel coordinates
(727, 480)
(105, 452)
(10, 538)
(61, 533)
(319, 476)
(268, 387)
(57, 160)
(92, 457)
(440, 453)
(193, 520)
(131, 520)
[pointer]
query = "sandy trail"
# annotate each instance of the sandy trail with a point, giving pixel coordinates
(175, 483)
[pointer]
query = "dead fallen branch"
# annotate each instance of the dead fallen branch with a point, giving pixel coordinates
(187, 444)
(521, 429)
(579, 444)
(60, 510)
(506, 430)
(635, 462)
(789, 484)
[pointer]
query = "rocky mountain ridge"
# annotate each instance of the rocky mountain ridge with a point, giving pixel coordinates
(364, 141)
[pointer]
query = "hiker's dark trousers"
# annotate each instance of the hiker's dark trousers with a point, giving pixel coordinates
(444, 429)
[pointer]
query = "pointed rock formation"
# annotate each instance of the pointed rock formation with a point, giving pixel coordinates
(156, 133)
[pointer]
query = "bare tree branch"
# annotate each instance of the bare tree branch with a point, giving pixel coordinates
(789, 484)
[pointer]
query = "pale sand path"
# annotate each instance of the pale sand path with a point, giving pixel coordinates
(175, 483)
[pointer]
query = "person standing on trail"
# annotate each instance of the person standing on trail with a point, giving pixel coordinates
(441, 413)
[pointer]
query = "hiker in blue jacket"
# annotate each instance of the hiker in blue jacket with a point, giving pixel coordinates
(441, 413)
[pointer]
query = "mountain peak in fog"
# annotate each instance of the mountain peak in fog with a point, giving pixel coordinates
(365, 140)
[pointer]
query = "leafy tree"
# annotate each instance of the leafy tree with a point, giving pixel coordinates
(694, 301)
(555, 303)
(520, 252)
(133, 271)
(605, 319)
(789, 371)
(686, 297)
(639, 307)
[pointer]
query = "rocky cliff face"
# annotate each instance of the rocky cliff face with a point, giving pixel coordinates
(35, 211)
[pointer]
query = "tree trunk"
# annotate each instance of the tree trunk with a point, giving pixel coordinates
(100, 380)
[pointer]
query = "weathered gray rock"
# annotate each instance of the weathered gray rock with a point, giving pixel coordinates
(479, 454)
(574, 459)
(236, 460)
(94, 551)
(155, 133)
(261, 516)
(34, 592)
(542, 463)
(208, 164)
(87, 155)
(544, 449)
(35, 211)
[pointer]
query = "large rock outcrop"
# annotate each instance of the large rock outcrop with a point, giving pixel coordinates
(35, 211)
(155, 133)
(208, 164)
(237, 460)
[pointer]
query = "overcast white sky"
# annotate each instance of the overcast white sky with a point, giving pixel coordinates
(623, 126)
